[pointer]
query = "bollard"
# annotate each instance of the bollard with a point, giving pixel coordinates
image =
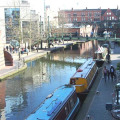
(88, 117)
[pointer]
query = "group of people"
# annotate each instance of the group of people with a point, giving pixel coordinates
(11, 49)
(109, 73)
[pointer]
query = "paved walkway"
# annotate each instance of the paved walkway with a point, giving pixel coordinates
(18, 65)
(100, 94)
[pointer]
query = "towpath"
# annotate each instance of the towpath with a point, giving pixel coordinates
(94, 107)
(19, 65)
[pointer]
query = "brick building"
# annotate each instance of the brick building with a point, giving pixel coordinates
(109, 14)
(88, 15)
(105, 19)
(80, 16)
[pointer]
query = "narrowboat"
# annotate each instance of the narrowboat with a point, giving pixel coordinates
(84, 76)
(62, 104)
(100, 56)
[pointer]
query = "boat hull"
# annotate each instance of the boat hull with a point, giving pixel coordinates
(75, 110)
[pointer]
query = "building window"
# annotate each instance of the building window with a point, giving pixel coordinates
(108, 13)
(66, 111)
(83, 19)
(71, 102)
(104, 17)
(69, 18)
(98, 14)
(96, 19)
(74, 17)
(82, 14)
(112, 17)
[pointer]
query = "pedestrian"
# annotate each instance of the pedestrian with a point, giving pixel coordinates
(10, 49)
(7, 48)
(105, 73)
(27, 50)
(112, 72)
(108, 58)
(37, 48)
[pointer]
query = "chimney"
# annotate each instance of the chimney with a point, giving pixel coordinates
(117, 7)
(72, 9)
(86, 8)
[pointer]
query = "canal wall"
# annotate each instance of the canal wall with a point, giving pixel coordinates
(2, 95)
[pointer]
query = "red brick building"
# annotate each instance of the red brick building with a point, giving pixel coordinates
(105, 19)
(109, 14)
(87, 15)
(80, 16)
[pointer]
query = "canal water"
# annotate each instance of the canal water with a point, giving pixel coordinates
(23, 93)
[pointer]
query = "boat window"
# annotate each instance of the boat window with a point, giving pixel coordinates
(71, 102)
(72, 81)
(66, 111)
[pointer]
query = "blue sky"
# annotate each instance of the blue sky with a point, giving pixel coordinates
(76, 4)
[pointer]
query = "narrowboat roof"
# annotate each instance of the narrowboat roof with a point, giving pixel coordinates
(52, 104)
(84, 69)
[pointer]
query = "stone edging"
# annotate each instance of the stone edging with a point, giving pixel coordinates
(12, 72)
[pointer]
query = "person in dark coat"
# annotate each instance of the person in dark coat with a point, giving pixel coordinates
(112, 72)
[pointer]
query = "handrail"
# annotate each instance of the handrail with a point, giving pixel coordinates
(51, 103)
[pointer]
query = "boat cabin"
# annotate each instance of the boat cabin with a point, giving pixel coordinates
(84, 76)
(62, 104)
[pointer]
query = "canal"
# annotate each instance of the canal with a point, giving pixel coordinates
(23, 93)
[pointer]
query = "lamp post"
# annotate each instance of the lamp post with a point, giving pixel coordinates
(48, 34)
(40, 32)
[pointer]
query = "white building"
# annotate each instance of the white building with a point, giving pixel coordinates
(13, 13)
(53, 16)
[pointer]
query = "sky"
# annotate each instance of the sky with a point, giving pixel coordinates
(38, 5)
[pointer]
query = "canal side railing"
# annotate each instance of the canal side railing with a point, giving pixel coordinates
(52, 41)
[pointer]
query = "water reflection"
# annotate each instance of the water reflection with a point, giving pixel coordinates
(23, 93)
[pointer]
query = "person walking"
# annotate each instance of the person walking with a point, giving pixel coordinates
(112, 72)
(105, 73)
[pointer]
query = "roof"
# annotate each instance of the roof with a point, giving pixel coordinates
(52, 103)
(113, 10)
(79, 10)
(86, 67)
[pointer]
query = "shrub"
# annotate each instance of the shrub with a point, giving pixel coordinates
(118, 66)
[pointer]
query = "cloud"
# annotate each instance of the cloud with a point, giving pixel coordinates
(76, 4)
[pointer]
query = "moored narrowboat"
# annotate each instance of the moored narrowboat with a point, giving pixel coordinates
(62, 104)
(84, 76)
(100, 56)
